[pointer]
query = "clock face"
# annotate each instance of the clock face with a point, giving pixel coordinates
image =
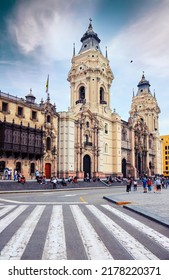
(105, 109)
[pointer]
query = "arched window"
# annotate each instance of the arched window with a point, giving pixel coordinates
(87, 124)
(106, 148)
(32, 168)
(86, 138)
(101, 95)
(48, 144)
(18, 166)
(106, 128)
(82, 93)
(48, 119)
(124, 135)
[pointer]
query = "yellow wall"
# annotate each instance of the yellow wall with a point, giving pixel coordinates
(165, 154)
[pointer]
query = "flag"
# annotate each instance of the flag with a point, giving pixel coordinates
(47, 84)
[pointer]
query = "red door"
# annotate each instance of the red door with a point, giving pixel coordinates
(48, 170)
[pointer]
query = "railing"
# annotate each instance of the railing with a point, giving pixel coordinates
(80, 101)
(103, 102)
(15, 98)
(88, 144)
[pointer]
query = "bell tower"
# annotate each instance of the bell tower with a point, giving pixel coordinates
(144, 113)
(145, 105)
(90, 75)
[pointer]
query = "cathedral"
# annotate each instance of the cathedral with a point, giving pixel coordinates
(89, 137)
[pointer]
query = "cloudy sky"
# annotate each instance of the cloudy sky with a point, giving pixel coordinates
(37, 36)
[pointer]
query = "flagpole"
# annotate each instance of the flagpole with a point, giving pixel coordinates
(47, 84)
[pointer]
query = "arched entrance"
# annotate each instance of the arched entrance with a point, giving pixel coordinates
(32, 169)
(48, 170)
(87, 165)
(124, 167)
(18, 166)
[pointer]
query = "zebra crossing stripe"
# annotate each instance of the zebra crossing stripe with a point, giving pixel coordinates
(154, 235)
(93, 245)
(135, 248)
(55, 245)
(17, 244)
(10, 217)
(6, 209)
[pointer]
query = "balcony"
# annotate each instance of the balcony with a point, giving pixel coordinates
(103, 102)
(89, 144)
(83, 101)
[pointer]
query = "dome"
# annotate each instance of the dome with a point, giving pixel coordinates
(90, 40)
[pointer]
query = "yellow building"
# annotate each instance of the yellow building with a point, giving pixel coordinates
(89, 137)
(28, 135)
(165, 154)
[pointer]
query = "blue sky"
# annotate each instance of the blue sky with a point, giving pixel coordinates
(37, 36)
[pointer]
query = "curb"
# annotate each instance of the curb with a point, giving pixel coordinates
(148, 215)
(138, 210)
(116, 200)
(49, 190)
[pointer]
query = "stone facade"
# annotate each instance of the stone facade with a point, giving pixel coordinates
(89, 137)
(28, 135)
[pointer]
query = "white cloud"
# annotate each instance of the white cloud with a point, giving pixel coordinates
(48, 28)
(146, 41)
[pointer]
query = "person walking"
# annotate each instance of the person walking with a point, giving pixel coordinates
(129, 183)
(15, 175)
(144, 181)
(135, 185)
(149, 184)
(158, 185)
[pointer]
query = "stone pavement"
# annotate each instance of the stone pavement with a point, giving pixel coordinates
(151, 204)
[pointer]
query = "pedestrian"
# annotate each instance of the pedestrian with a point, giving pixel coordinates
(149, 184)
(135, 185)
(9, 174)
(37, 175)
(129, 182)
(144, 181)
(158, 185)
(87, 177)
(15, 175)
(54, 181)
(63, 182)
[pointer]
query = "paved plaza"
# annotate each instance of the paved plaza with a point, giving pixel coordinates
(151, 204)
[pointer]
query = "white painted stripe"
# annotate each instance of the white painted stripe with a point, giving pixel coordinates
(43, 202)
(11, 201)
(12, 216)
(6, 209)
(55, 245)
(154, 235)
(17, 244)
(94, 246)
(135, 248)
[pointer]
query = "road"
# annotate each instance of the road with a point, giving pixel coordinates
(76, 225)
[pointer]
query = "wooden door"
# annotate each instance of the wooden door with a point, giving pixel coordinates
(48, 170)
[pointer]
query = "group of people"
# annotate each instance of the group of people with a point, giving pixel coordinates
(111, 180)
(148, 184)
(87, 178)
(54, 180)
